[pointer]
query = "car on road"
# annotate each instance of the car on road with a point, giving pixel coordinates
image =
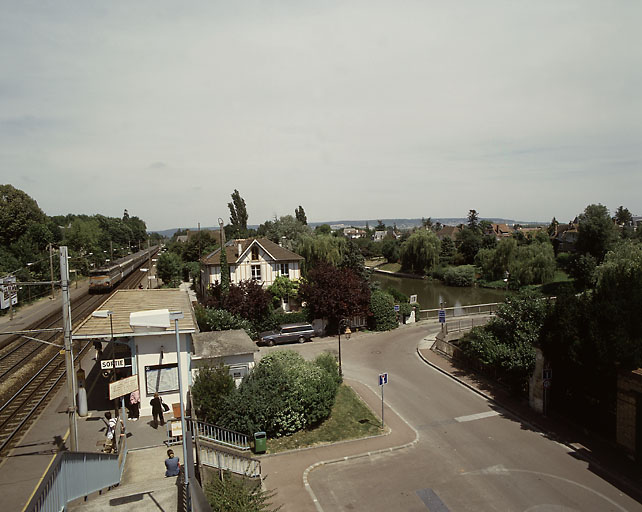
(287, 333)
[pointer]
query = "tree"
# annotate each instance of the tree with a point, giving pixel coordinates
(473, 220)
(552, 228)
(283, 288)
(596, 232)
(169, 269)
(427, 223)
(334, 293)
(447, 250)
(299, 213)
(623, 216)
(321, 249)
(323, 229)
(225, 272)
(390, 250)
(18, 211)
(353, 259)
(285, 229)
(420, 253)
(469, 242)
(211, 385)
(238, 215)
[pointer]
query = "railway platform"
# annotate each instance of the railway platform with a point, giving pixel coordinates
(24, 466)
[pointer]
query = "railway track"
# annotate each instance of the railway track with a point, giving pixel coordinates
(23, 400)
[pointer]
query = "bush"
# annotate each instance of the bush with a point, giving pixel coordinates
(328, 362)
(460, 276)
(283, 394)
(210, 319)
(229, 494)
(384, 317)
(397, 295)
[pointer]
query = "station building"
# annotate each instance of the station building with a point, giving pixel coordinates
(144, 338)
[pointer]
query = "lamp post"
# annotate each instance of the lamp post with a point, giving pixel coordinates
(176, 316)
(343, 321)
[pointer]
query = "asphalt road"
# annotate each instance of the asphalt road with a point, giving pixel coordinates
(470, 454)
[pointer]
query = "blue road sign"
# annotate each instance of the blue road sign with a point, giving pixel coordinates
(442, 316)
(383, 379)
(396, 307)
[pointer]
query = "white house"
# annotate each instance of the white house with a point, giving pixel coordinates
(146, 340)
(258, 259)
(233, 349)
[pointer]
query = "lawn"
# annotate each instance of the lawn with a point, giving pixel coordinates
(350, 419)
(391, 267)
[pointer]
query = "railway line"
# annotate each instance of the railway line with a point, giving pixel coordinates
(31, 371)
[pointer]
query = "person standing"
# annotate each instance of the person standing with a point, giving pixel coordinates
(134, 401)
(172, 464)
(157, 410)
(110, 433)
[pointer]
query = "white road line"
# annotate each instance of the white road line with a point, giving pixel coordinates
(479, 416)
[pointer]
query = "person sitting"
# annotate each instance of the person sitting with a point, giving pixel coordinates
(172, 464)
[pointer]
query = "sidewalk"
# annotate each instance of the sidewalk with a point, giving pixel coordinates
(604, 458)
(284, 470)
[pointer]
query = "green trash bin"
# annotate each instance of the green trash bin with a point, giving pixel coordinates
(260, 442)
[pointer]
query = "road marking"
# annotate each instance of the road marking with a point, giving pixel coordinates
(432, 501)
(479, 416)
(43, 474)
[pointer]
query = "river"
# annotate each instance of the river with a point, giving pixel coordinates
(430, 293)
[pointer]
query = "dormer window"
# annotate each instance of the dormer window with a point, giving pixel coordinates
(255, 253)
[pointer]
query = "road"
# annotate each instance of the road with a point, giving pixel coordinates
(470, 454)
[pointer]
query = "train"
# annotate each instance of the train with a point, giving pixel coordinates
(105, 278)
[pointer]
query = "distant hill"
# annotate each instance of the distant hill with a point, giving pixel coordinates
(400, 223)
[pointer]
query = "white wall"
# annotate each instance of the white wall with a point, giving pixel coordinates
(148, 349)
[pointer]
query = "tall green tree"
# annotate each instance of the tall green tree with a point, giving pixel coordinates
(18, 211)
(596, 232)
(420, 253)
(469, 242)
(473, 220)
(623, 216)
(169, 268)
(238, 215)
(300, 215)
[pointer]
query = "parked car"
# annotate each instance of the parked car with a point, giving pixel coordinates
(287, 334)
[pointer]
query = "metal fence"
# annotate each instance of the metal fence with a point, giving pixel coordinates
(209, 432)
(74, 475)
(475, 309)
(226, 460)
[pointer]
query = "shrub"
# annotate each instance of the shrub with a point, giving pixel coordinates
(328, 362)
(229, 494)
(384, 317)
(460, 276)
(283, 394)
(397, 295)
(210, 319)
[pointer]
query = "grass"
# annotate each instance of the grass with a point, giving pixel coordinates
(350, 419)
(392, 267)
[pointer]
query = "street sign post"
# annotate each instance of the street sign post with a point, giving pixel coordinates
(442, 316)
(108, 364)
(383, 380)
(123, 387)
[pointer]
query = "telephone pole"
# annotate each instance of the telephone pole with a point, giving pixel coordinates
(69, 354)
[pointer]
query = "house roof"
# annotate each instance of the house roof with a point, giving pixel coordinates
(124, 302)
(215, 344)
(448, 231)
(277, 252)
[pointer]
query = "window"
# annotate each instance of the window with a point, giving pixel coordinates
(285, 269)
(256, 272)
(255, 253)
(162, 378)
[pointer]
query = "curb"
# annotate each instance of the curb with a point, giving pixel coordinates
(535, 427)
(357, 456)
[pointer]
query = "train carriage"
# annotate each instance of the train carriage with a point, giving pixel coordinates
(105, 278)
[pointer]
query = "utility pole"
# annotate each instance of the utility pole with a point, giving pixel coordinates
(69, 354)
(53, 296)
(149, 266)
(111, 251)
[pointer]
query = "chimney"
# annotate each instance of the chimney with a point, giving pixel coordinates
(239, 248)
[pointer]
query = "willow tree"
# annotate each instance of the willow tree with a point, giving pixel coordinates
(420, 253)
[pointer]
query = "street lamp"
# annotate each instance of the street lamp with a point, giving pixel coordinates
(176, 316)
(343, 321)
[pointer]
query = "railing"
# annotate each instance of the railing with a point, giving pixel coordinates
(220, 435)
(74, 475)
(475, 309)
(227, 460)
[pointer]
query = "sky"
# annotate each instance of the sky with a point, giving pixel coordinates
(351, 109)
